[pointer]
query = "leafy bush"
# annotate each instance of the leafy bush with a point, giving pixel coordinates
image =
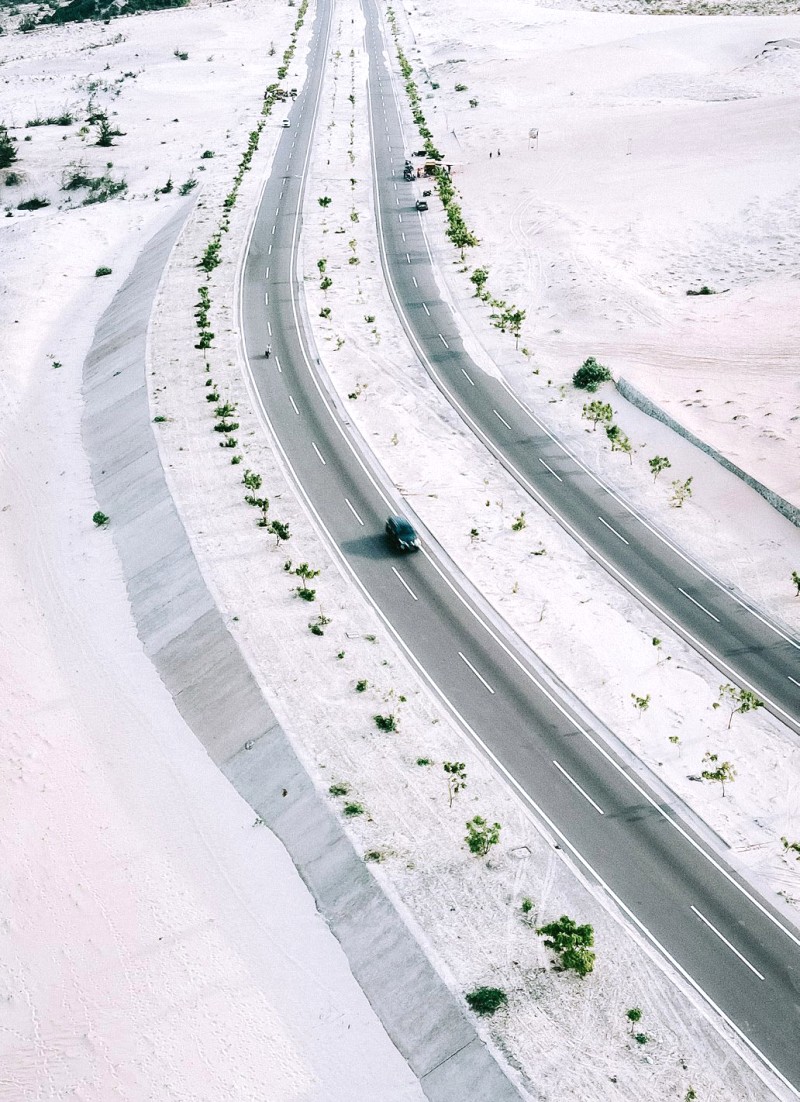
(187, 186)
(12, 179)
(571, 943)
(590, 375)
(339, 788)
(386, 723)
(461, 87)
(36, 202)
(703, 291)
(102, 271)
(80, 11)
(182, 55)
(486, 1000)
(481, 836)
(100, 519)
(353, 809)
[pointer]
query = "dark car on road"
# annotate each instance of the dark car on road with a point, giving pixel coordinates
(401, 534)
(421, 204)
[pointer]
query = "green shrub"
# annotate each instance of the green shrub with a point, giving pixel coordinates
(361, 685)
(571, 943)
(36, 202)
(353, 809)
(12, 179)
(386, 723)
(102, 272)
(486, 1000)
(590, 375)
(100, 518)
(339, 788)
(481, 836)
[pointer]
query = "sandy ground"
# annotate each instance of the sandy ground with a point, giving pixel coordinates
(667, 159)
(156, 943)
(129, 804)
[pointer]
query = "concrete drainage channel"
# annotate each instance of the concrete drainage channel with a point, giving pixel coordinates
(185, 637)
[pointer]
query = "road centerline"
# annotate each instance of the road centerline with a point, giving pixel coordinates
(694, 602)
(725, 941)
(575, 785)
(482, 679)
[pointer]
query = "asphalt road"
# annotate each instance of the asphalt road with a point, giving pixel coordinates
(725, 940)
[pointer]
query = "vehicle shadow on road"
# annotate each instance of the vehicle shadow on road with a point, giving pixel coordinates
(369, 547)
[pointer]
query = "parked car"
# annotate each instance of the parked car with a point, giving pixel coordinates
(286, 123)
(421, 204)
(401, 534)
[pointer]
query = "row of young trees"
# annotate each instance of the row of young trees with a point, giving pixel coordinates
(505, 317)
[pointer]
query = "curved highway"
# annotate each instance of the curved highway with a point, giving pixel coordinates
(727, 942)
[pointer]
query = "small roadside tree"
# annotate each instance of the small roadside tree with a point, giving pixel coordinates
(619, 441)
(478, 278)
(721, 771)
(796, 581)
(481, 836)
(251, 480)
(633, 1015)
(681, 492)
(280, 530)
(599, 413)
(641, 703)
(658, 464)
(739, 700)
(456, 778)
(261, 503)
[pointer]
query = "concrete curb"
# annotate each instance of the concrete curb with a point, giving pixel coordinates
(648, 406)
(214, 689)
